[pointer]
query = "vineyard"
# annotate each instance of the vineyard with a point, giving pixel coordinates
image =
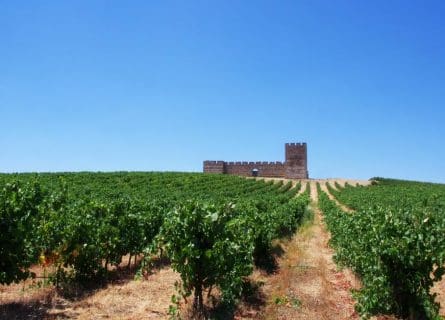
(216, 231)
(393, 240)
(81, 224)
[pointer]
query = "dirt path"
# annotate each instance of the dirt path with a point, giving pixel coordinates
(308, 284)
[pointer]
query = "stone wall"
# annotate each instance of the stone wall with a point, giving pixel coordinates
(295, 166)
(214, 166)
(265, 169)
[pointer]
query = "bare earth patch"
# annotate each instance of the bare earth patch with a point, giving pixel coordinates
(146, 299)
(439, 288)
(308, 284)
(121, 299)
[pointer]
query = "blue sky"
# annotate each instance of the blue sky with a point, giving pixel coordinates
(164, 85)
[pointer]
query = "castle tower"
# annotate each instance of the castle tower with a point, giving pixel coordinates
(296, 161)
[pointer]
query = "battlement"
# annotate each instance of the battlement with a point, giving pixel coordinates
(213, 162)
(296, 144)
(247, 163)
(210, 166)
(294, 167)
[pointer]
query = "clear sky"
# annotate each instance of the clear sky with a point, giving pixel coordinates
(163, 85)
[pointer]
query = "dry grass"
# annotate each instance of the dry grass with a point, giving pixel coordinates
(148, 299)
(123, 298)
(439, 288)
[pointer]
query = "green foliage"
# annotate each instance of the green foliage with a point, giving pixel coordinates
(394, 241)
(204, 245)
(19, 210)
(209, 226)
(290, 300)
(269, 220)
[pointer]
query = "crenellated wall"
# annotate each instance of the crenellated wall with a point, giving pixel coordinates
(265, 169)
(295, 166)
(214, 166)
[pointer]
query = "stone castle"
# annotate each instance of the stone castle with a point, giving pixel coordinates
(294, 166)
